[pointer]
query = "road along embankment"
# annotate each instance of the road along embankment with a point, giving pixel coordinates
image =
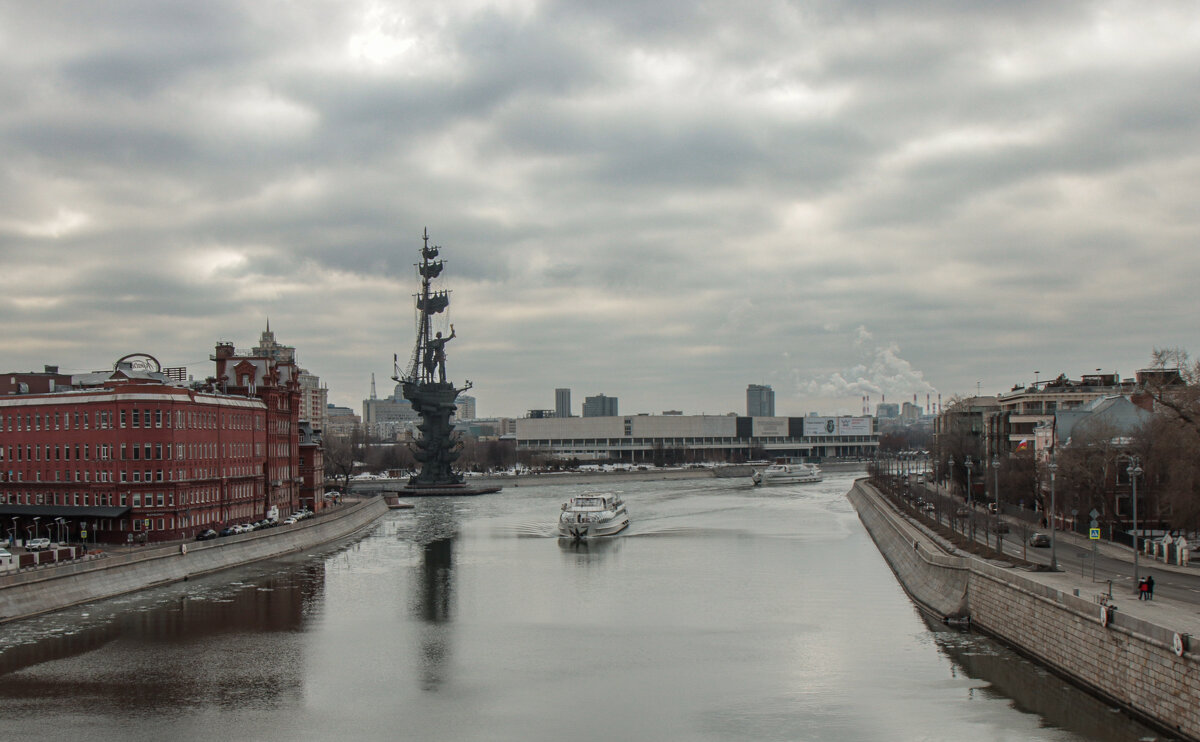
(1144, 664)
(51, 588)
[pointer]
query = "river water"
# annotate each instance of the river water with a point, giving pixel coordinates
(724, 612)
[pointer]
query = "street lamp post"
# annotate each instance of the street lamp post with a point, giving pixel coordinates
(1135, 471)
(1052, 467)
(970, 497)
(996, 493)
(36, 518)
(950, 491)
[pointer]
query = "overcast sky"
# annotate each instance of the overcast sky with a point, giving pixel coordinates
(657, 201)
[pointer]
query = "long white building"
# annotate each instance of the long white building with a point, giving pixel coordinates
(637, 438)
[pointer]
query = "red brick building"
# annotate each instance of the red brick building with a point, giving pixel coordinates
(127, 456)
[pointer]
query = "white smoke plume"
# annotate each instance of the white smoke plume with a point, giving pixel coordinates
(882, 373)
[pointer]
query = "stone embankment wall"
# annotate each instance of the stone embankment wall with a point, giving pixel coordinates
(51, 588)
(1130, 662)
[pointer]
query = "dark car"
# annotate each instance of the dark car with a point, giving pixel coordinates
(206, 535)
(227, 531)
(1039, 539)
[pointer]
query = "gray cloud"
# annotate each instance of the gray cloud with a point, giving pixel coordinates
(660, 202)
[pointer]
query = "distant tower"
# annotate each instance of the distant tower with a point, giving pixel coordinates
(562, 402)
(760, 401)
(373, 387)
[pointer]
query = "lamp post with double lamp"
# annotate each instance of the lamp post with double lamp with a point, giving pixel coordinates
(1052, 467)
(58, 523)
(950, 491)
(1135, 471)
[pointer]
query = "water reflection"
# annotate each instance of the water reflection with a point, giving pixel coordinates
(435, 530)
(169, 649)
(592, 550)
(1031, 688)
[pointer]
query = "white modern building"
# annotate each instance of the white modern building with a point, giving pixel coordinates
(639, 438)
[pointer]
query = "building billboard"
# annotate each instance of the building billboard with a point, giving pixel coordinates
(820, 426)
(854, 426)
(770, 427)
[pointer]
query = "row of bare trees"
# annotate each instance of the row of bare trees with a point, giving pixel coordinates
(356, 452)
(1093, 470)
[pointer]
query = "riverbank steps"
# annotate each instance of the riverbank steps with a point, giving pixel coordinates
(1131, 661)
(51, 588)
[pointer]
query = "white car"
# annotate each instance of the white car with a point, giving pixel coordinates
(37, 544)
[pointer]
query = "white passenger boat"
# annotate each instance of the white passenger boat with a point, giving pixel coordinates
(592, 515)
(787, 474)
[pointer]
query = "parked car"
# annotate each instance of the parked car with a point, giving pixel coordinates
(290, 520)
(228, 531)
(1039, 539)
(37, 544)
(206, 535)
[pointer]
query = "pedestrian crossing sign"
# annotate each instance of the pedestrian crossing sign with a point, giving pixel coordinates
(1094, 534)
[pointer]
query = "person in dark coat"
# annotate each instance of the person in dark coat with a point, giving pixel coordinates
(1149, 587)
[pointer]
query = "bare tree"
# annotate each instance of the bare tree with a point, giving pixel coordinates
(1170, 454)
(1087, 468)
(339, 459)
(1175, 386)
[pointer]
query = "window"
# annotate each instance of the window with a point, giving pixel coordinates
(145, 419)
(158, 418)
(123, 415)
(137, 500)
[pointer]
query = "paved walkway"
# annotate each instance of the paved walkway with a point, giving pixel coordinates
(1176, 615)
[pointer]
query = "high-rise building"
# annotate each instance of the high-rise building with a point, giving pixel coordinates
(600, 406)
(887, 410)
(466, 407)
(760, 401)
(562, 402)
(387, 417)
(313, 397)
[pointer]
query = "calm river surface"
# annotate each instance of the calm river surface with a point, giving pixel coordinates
(723, 613)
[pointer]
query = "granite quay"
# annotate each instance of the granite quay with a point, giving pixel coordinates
(1136, 655)
(122, 570)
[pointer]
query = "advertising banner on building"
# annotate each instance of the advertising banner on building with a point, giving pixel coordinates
(770, 427)
(854, 426)
(820, 426)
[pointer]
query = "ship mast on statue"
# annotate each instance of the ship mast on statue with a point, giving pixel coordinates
(433, 398)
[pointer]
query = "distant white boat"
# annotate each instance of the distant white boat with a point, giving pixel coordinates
(592, 515)
(787, 474)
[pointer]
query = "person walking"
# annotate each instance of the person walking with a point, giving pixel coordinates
(1149, 587)
(1143, 589)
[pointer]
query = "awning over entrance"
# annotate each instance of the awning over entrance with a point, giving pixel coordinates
(61, 511)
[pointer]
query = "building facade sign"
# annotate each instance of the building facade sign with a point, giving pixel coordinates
(820, 427)
(854, 426)
(770, 427)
